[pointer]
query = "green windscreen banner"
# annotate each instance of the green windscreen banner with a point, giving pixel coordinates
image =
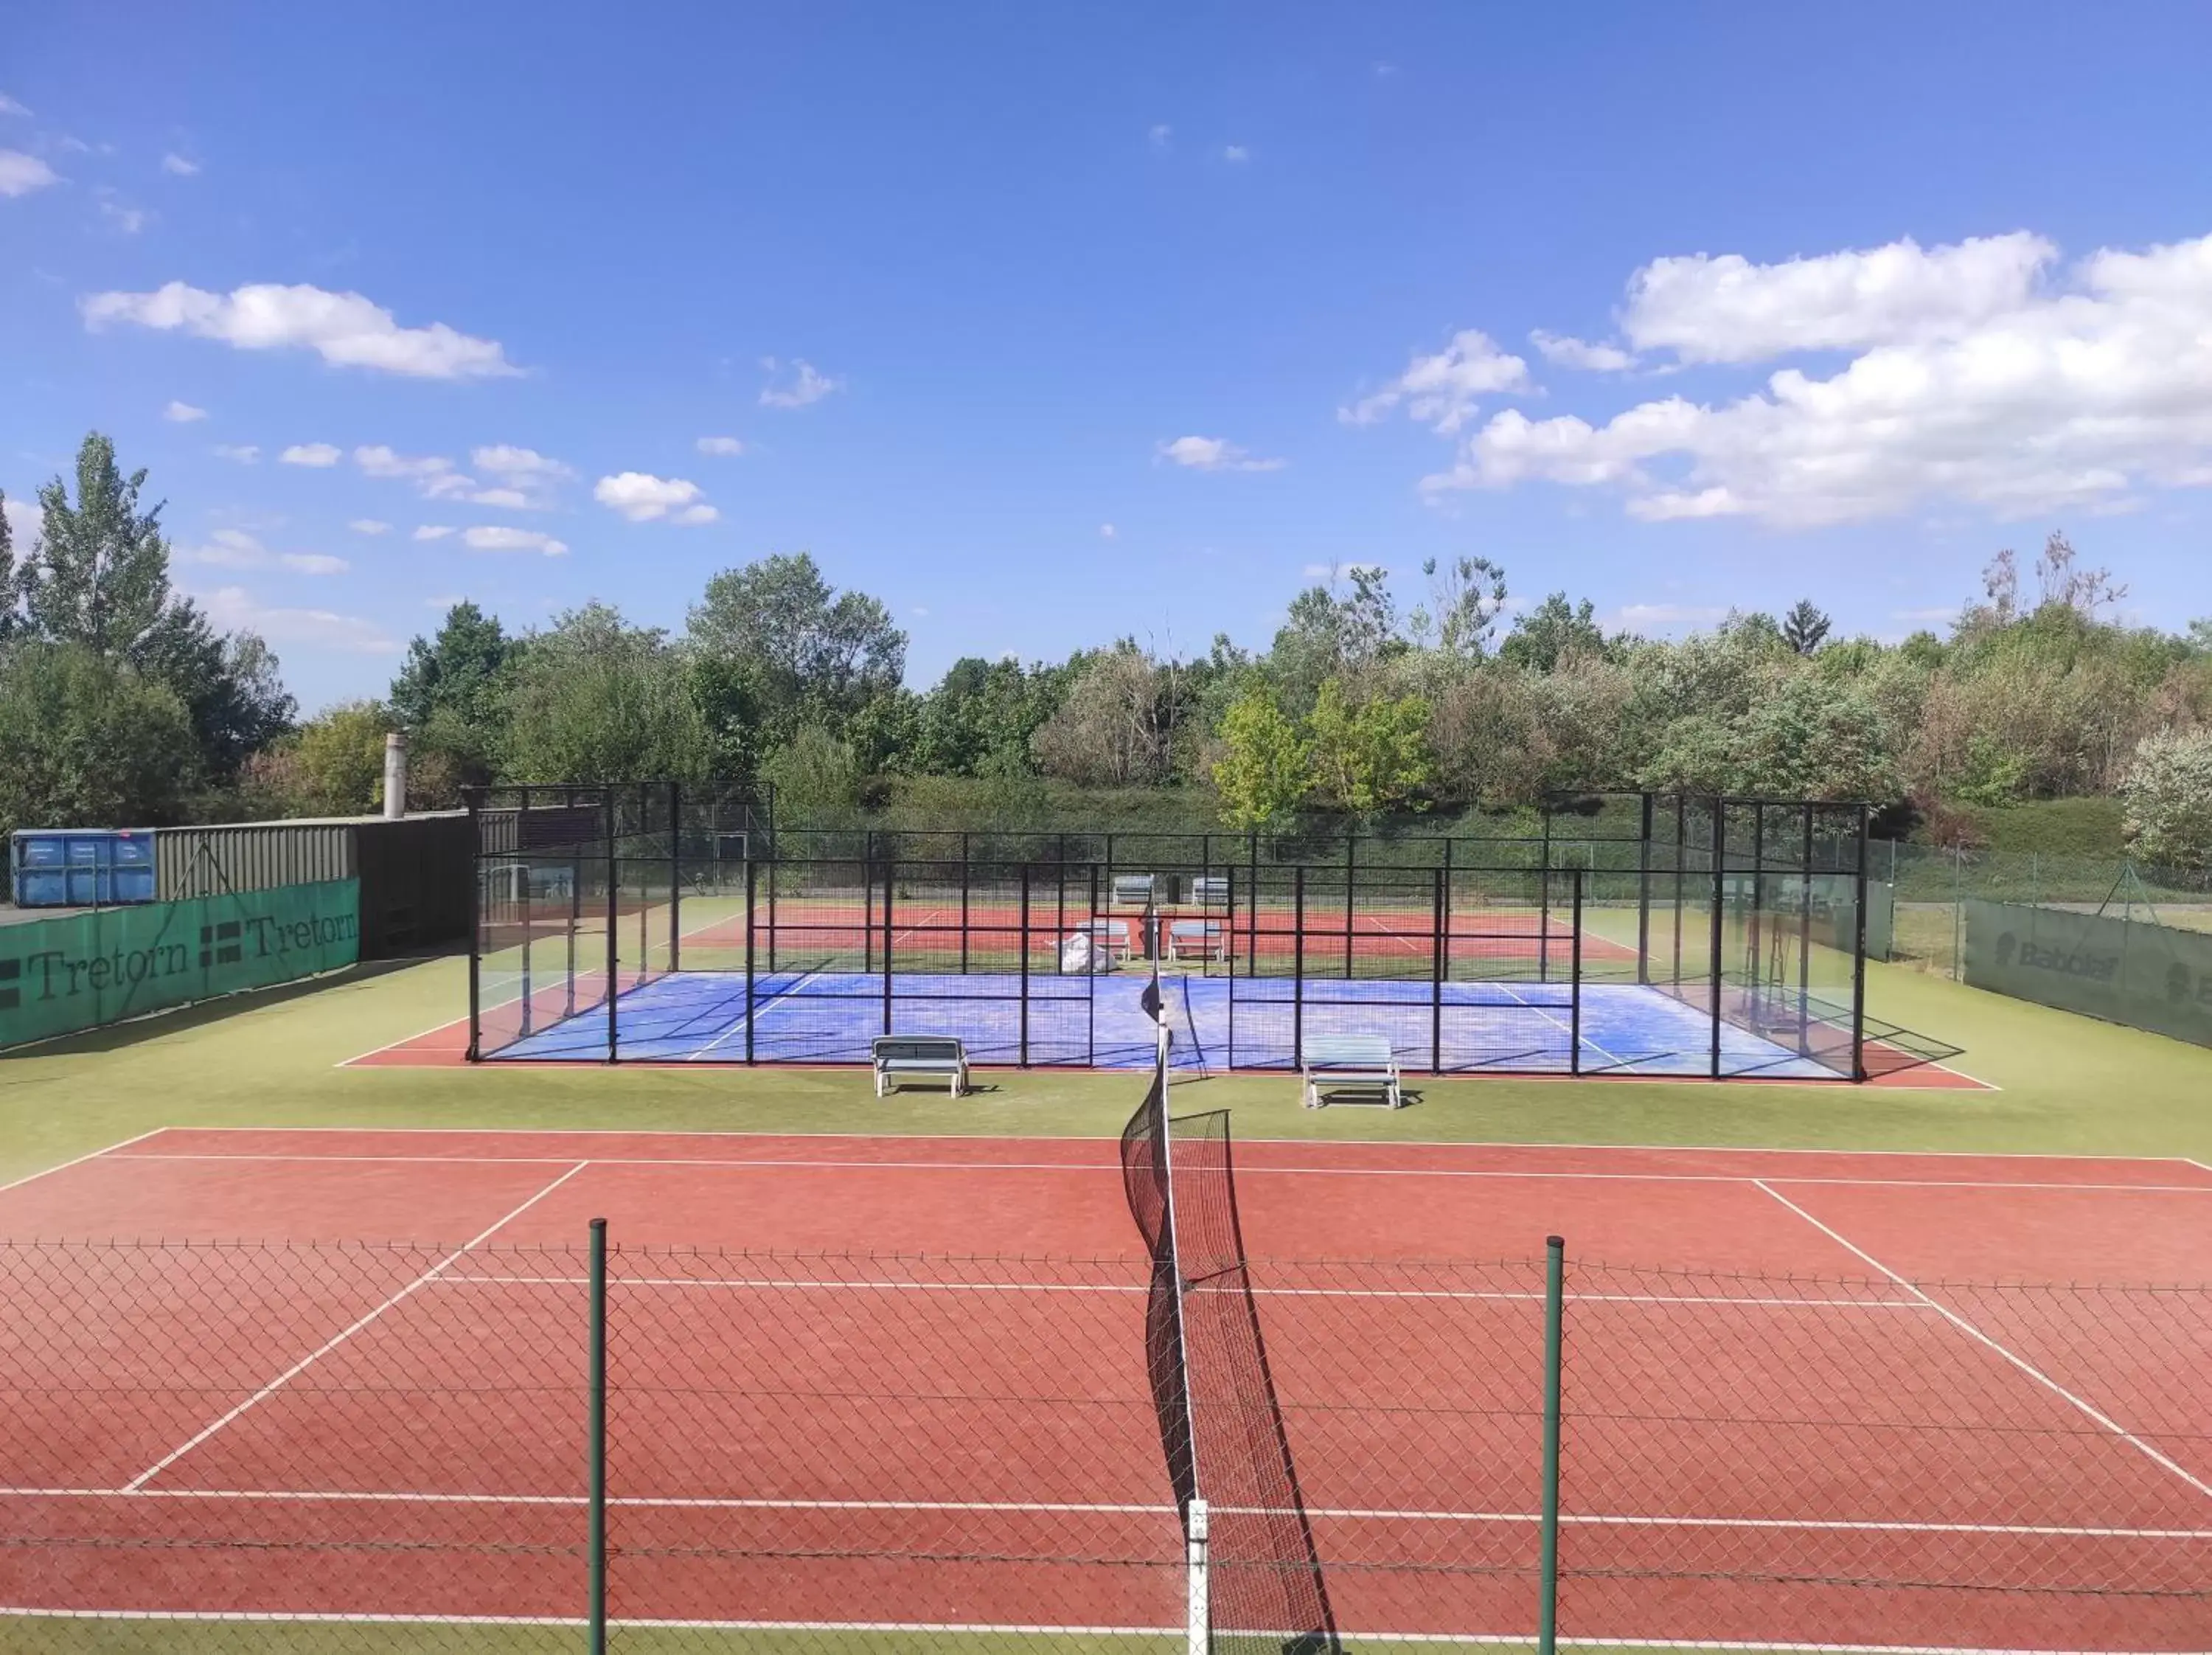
(84, 970)
(2149, 977)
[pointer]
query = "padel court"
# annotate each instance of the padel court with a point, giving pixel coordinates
(897, 1388)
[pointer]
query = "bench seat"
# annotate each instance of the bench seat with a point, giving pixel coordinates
(900, 1057)
(1357, 1064)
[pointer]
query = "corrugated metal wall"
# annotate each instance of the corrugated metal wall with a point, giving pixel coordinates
(415, 873)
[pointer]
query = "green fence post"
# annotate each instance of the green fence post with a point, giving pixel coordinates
(595, 1432)
(1547, 1602)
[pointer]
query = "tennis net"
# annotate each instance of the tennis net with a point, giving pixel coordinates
(1255, 1580)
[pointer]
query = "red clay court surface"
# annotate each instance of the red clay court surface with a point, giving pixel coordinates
(1408, 1408)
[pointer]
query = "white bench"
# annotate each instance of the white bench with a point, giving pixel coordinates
(1109, 935)
(1209, 890)
(1350, 1062)
(900, 1057)
(1132, 891)
(1197, 940)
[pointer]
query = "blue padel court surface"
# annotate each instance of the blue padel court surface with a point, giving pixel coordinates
(829, 1017)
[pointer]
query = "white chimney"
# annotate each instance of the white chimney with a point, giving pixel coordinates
(395, 776)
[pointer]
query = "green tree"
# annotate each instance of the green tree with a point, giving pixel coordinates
(87, 741)
(1804, 627)
(331, 765)
(451, 694)
(1372, 757)
(101, 578)
(598, 700)
(1465, 600)
(816, 775)
(2167, 799)
(1113, 729)
(799, 644)
(1552, 632)
(1262, 771)
(11, 619)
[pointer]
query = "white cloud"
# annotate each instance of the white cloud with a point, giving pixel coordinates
(376, 459)
(512, 499)
(1161, 137)
(236, 549)
(1571, 352)
(246, 453)
(233, 609)
(178, 167)
(26, 522)
(370, 525)
(808, 385)
(1214, 454)
(345, 329)
(643, 498)
(128, 220)
(19, 173)
(725, 445)
(444, 601)
(183, 413)
(1234, 152)
(1729, 310)
(432, 531)
(1106, 530)
(1990, 389)
(519, 467)
(1442, 389)
(9, 106)
(317, 454)
(492, 538)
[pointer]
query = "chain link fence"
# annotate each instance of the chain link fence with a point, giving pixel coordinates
(370, 1450)
(1932, 884)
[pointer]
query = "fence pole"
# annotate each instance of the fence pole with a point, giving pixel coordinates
(595, 1431)
(1858, 954)
(1958, 903)
(1575, 981)
(575, 924)
(1643, 895)
(614, 929)
(1547, 1566)
(963, 901)
(1023, 944)
(1297, 964)
(1681, 845)
(752, 882)
(1229, 944)
(675, 877)
(1437, 942)
(477, 925)
(1718, 977)
(1544, 905)
(891, 877)
(1351, 845)
(1199, 1625)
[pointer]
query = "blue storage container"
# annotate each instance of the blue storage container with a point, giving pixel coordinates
(82, 867)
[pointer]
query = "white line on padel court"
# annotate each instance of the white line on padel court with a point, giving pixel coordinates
(1108, 1508)
(333, 1342)
(1246, 1170)
(2018, 1361)
(79, 1160)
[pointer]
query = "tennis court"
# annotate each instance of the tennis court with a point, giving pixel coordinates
(887, 1392)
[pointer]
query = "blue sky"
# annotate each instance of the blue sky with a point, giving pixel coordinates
(1833, 303)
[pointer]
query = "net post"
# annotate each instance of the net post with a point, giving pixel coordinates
(1021, 945)
(890, 879)
(1547, 1566)
(1199, 1622)
(1297, 964)
(1858, 953)
(595, 1431)
(1438, 927)
(1644, 896)
(752, 883)
(1575, 981)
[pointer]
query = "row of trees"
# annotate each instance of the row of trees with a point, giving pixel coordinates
(120, 701)
(1363, 702)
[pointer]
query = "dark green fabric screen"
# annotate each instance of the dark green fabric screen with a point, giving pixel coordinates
(2149, 977)
(82, 971)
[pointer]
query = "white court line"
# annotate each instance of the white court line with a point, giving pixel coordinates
(1502, 1295)
(78, 1160)
(2019, 1362)
(1250, 1170)
(753, 1014)
(331, 1344)
(972, 1628)
(1107, 1508)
